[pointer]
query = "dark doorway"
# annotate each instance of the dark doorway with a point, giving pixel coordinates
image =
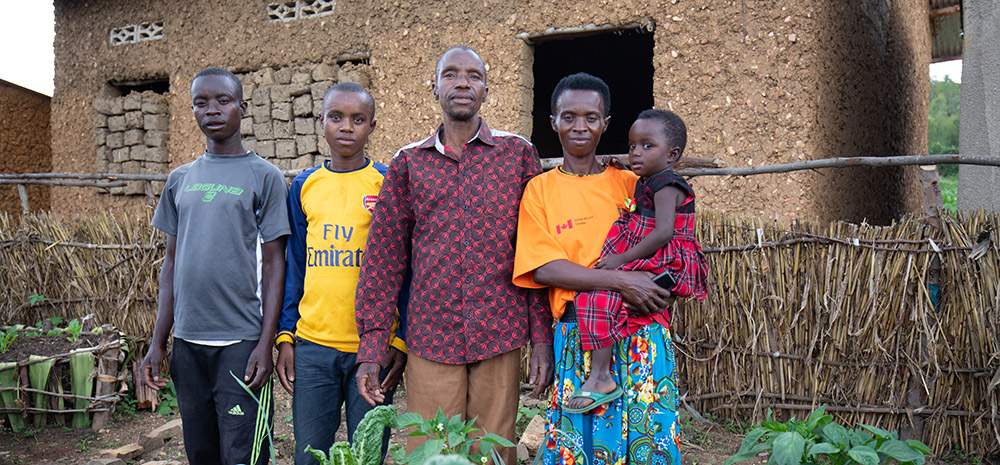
(623, 59)
(123, 88)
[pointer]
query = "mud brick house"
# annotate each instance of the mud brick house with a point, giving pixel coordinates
(758, 82)
(24, 143)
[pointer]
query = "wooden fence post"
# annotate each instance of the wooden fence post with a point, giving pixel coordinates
(22, 191)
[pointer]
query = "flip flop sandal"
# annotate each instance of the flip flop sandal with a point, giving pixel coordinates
(598, 398)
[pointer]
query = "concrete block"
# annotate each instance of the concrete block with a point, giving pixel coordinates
(304, 162)
(135, 188)
(302, 105)
(318, 89)
(319, 127)
(317, 107)
(262, 97)
(324, 72)
(101, 166)
(104, 154)
(265, 148)
(283, 76)
(281, 94)
(157, 190)
(297, 89)
(150, 106)
(283, 129)
(250, 144)
(249, 87)
(264, 77)
(155, 138)
(133, 137)
(116, 123)
(100, 136)
(115, 140)
(534, 434)
(162, 434)
(156, 122)
(137, 153)
(263, 131)
(284, 163)
(103, 105)
(284, 148)
(324, 148)
(157, 154)
(119, 155)
(132, 101)
(301, 77)
(132, 167)
(126, 452)
(133, 119)
(355, 75)
(100, 120)
(281, 111)
(263, 116)
(114, 167)
(246, 127)
(305, 126)
(305, 144)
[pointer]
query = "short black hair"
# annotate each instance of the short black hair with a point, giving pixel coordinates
(673, 125)
(216, 71)
(582, 81)
(437, 66)
(351, 87)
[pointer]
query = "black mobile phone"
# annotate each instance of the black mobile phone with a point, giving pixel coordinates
(665, 280)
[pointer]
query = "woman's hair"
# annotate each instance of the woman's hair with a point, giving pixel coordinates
(582, 81)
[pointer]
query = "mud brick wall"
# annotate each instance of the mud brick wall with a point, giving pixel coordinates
(283, 108)
(24, 144)
(757, 82)
(131, 137)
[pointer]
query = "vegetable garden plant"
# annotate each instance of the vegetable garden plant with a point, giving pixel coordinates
(819, 440)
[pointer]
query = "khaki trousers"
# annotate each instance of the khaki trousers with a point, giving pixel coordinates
(488, 389)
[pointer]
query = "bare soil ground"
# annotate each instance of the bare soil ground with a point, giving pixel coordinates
(701, 443)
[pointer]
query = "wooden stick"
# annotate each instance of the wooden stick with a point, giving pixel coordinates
(23, 193)
(47, 182)
(842, 162)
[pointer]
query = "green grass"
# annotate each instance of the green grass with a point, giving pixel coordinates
(949, 191)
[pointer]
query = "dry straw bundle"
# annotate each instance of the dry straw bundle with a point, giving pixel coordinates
(844, 315)
(797, 315)
(107, 265)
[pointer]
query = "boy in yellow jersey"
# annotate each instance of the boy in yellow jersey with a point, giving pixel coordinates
(329, 208)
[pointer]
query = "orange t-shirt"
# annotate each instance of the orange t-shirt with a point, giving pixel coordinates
(567, 217)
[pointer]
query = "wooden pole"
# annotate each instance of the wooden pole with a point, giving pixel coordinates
(107, 381)
(22, 191)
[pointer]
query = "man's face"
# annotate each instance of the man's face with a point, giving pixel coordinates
(217, 107)
(460, 85)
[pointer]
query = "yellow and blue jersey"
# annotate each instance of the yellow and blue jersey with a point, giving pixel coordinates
(329, 213)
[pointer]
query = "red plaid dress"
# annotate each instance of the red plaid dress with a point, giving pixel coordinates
(600, 314)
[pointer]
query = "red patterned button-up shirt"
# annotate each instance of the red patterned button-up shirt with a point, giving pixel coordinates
(451, 219)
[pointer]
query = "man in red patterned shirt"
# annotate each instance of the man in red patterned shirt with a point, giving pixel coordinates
(447, 213)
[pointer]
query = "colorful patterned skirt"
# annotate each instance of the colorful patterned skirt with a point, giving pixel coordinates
(642, 424)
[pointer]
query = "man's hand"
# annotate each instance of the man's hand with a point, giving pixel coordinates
(368, 387)
(150, 368)
(286, 366)
(642, 295)
(259, 366)
(397, 363)
(540, 368)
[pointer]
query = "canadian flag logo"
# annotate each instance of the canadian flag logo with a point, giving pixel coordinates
(562, 227)
(369, 202)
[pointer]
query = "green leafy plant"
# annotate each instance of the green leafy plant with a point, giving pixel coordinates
(818, 439)
(7, 339)
(35, 299)
(367, 447)
(448, 436)
(168, 399)
(73, 329)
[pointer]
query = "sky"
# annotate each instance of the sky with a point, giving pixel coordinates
(27, 30)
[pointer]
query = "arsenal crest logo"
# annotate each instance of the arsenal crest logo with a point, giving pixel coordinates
(369, 202)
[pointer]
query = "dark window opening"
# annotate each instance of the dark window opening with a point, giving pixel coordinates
(623, 59)
(122, 88)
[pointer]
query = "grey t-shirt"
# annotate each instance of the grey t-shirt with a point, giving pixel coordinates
(221, 207)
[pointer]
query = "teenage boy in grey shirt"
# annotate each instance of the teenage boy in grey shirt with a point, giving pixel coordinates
(221, 213)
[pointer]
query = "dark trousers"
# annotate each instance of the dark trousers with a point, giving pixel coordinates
(219, 416)
(324, 381)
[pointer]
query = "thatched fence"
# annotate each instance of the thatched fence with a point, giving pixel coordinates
(797, 315)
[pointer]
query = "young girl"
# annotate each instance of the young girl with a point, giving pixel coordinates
(655, 235)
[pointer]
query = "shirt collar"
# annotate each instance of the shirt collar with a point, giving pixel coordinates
(484, 134)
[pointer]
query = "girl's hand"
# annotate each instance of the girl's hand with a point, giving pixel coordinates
(611, 262)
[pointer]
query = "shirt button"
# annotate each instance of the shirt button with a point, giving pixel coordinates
(468, 279)
(466, 242)
(465, 207)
